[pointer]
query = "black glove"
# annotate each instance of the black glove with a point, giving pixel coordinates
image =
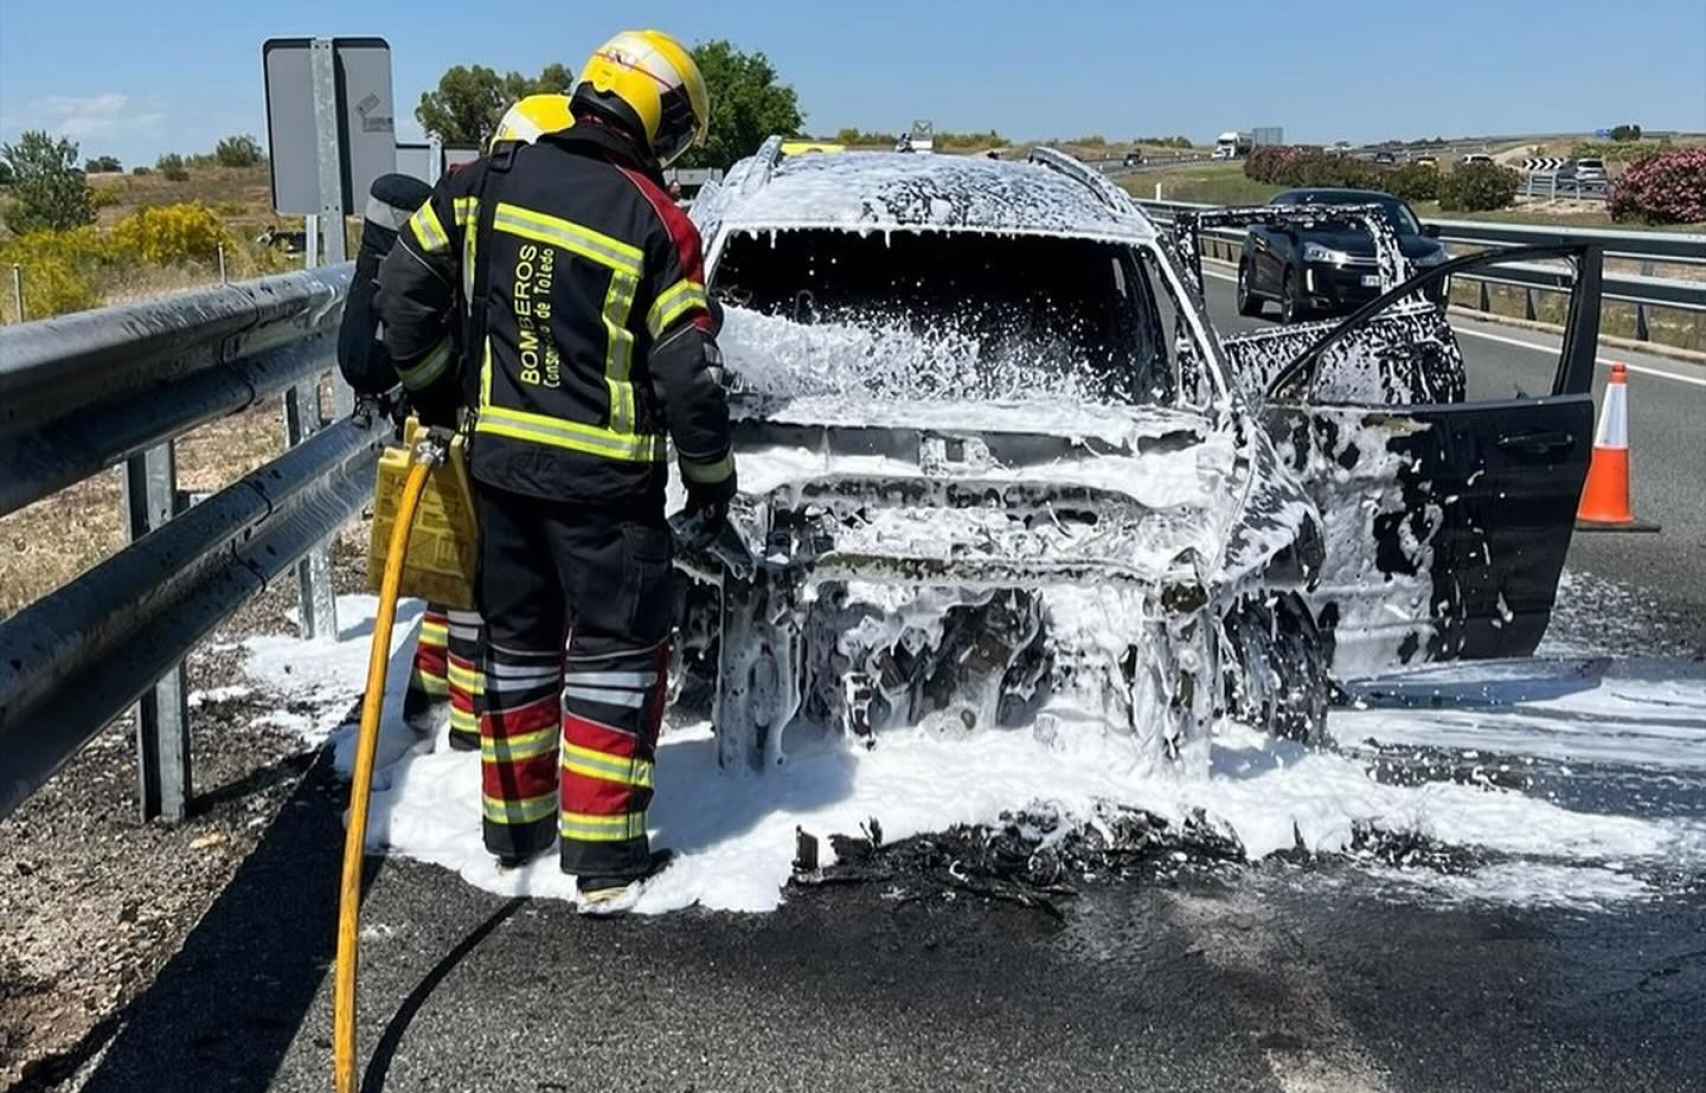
(436, 407)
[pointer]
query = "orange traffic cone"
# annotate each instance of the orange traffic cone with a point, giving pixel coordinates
(1605, 504)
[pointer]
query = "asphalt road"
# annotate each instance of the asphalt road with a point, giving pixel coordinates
(1274, 977)
(1667, 429)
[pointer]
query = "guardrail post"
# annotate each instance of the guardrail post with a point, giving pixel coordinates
(316, 603)
(162, 714)
(1642, 334)
(18, 289)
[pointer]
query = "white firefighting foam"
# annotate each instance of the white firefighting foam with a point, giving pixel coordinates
(736, 833)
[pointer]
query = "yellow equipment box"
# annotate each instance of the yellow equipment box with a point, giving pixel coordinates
(444, 546)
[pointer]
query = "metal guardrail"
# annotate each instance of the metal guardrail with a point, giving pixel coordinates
(1643, 290)
(86, 392)
(1553, 185)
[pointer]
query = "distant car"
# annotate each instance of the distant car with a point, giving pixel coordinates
(1585, 170)
(1134, 158)
(1476, 157)
(1425, 161)
(1385, 157)
(1330, 269)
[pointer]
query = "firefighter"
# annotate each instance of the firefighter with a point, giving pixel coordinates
(445, 651)
(589, 337)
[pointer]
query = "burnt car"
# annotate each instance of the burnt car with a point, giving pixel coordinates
(1327, 268)
(997, 468)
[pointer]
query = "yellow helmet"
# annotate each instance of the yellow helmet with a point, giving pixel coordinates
(646, 81)
(532, 118)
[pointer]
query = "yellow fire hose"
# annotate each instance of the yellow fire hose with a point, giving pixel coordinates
(355, 837)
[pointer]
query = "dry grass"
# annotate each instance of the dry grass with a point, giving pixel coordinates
(51, 542)
(242, 196)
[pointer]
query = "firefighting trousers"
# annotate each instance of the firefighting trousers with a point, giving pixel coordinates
(448, 664)
(577, 602)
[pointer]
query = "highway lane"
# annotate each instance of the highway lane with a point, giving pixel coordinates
(1667, 426)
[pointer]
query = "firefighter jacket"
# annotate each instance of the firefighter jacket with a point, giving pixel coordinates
(580, 290)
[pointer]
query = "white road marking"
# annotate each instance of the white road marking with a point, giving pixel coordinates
(1693, 381)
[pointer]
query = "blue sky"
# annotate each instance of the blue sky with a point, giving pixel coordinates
(135, 79)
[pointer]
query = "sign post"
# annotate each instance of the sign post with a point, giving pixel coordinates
(330, 133)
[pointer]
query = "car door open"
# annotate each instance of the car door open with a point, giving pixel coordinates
(1447, 480)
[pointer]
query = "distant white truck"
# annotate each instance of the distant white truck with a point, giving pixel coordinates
(1237, 143)
(1231, 145)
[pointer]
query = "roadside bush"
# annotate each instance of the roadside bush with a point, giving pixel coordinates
(1668, 188)
(1478, 187)
(172, 166)
(140, 170)
(105, 197)
(170, 234)
(1414, 182)
(51, 193)
(1270, 164)
(1291, 166)
(60, 269)
(238, 151)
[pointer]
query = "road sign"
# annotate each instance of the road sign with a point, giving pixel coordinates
(360, 108)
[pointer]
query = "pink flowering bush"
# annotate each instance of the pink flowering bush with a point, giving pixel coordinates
(1668, 188)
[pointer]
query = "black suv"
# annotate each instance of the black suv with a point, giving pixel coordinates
(1328, 269)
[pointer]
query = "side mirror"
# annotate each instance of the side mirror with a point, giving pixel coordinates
(1431, 230)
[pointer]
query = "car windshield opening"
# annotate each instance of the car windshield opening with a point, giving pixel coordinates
(940, 315)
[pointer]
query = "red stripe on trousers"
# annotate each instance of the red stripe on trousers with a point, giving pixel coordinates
(606, 741)
(597, 796)
(539, 714)
(533, 777)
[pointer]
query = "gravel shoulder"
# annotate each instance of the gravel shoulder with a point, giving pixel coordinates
(95, 903)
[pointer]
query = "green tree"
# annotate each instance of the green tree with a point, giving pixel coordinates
(471, 99)
(172, 166)
(50, 192)
(747, 104)
(5, 173)
(102, 165)
(1626, 133)
(238, 151)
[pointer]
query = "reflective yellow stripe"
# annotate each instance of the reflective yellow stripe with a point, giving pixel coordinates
(467, 211)
(715, 471)
(525, 811)
(515, 749)
(428, 369)
(471, 680)
(609, 768)
(464, 721)
(554, 231)
(436, 686)
(435, 633)
(486, 377)
(428, 231)
(586, 827)
(517, 425)
(679, 298)
(619, 356)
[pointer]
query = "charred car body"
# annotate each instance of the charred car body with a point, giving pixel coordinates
(993, 456)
